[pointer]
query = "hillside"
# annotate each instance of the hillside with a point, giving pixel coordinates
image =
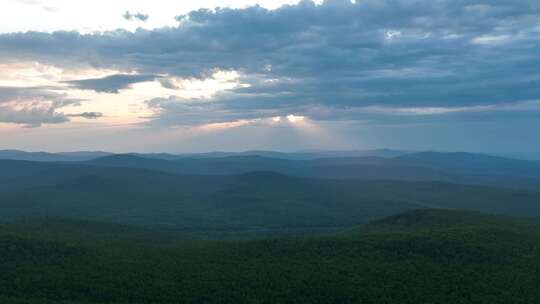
(253, 203)
(256, 203)
(466, 168)
(471, 258)
(367, 168)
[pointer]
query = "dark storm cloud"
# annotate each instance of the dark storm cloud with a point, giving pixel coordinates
(339, 56)
(110, 84)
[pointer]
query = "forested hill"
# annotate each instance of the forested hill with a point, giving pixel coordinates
(255, 203)
(425, 256)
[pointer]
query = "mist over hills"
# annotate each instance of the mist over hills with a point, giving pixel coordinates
(258, 195)
(52, 157)
(465, 168)
(474, 164)
(381, 164)
(521, 155)
(369, 168)
(299, 155)
(369, 164)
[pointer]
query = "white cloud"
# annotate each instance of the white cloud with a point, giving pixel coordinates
(101, 15)
(491, 39)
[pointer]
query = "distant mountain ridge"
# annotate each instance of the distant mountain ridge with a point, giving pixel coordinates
(366, 168)
(296, 155)
(300, 155)
(455, 167)
(459, 167)
(52, 157)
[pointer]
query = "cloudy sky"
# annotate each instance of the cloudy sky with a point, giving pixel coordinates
(184, 76)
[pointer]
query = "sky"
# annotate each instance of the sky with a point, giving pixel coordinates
(193, 76)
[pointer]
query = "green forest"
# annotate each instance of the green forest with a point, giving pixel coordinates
(421, 256)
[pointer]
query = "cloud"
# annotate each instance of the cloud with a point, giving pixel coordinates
(138, 16)
(31, 117)
(178, 111)
(33, 106)
(339, 56)
(29, 2)
(35, 94)
(50, 9)
(110, 84)
(87, 115)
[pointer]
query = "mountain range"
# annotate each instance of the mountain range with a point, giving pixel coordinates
(221, 196)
